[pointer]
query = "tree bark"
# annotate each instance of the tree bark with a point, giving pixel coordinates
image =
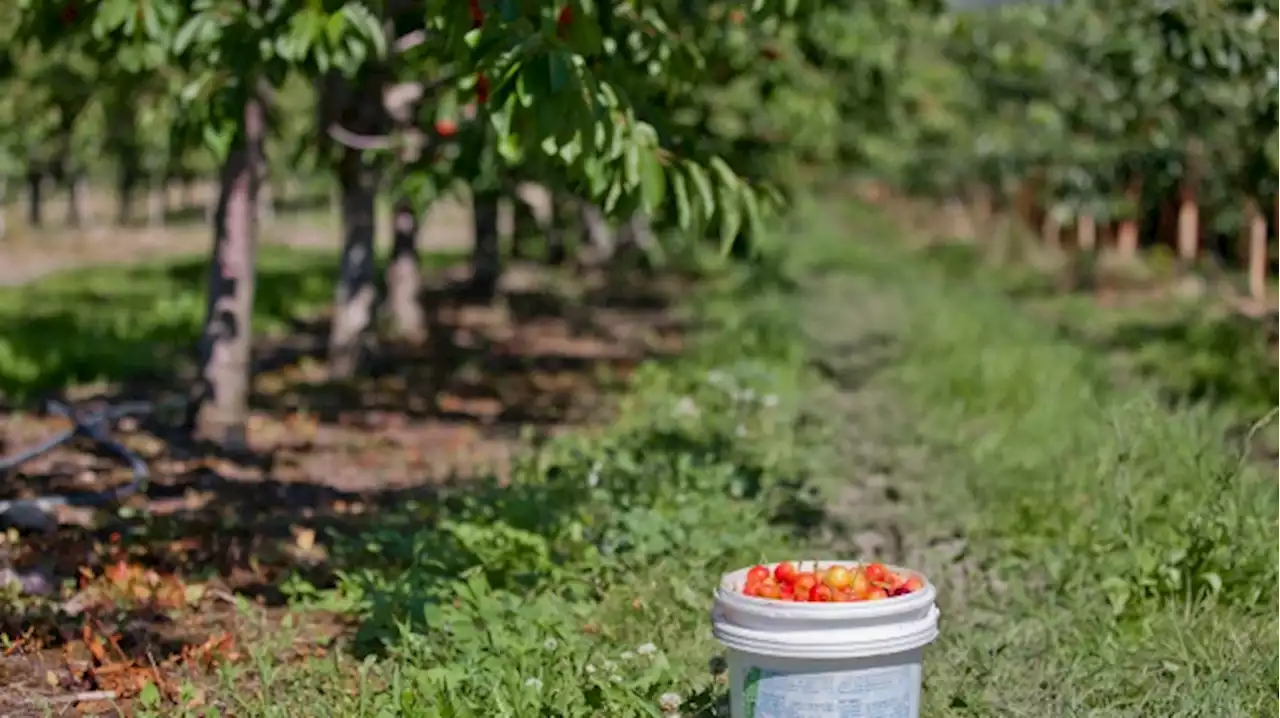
(404, 274)
(357, 292)
(75, 199)
(1087, 232)
(525, 231)
(596, 229)
(486, 257)
(221, 411)
(156, 204)
(636, 234)
(130, 174)
(35, 197)
(1051, 230)
(557, 229)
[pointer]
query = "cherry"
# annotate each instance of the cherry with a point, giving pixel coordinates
(564, 20)
(785, 572)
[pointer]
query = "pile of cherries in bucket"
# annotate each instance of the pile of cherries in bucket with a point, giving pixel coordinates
(833, 584)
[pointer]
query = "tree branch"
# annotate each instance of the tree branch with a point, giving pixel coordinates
(355, 141)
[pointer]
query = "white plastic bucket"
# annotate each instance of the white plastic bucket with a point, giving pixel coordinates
(824, 660)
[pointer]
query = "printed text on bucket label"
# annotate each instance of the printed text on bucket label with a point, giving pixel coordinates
(889, 692)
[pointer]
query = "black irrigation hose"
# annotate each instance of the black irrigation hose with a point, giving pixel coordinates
(96, 426)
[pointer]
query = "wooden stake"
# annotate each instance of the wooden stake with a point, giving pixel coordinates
(1188, 224)
(1256, 227)
(1127, 234)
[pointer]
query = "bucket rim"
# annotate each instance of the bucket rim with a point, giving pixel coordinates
(828, 644)
(729, 595)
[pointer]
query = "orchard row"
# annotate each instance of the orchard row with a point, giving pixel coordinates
(1128, 120)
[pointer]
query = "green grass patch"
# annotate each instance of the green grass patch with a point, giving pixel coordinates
(581, 588)
(114, 323)
(1121, 552)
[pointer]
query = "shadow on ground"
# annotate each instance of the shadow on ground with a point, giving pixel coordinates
(336, 467)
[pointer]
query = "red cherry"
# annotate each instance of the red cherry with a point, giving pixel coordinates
(821, 593)
(477, 14)
(446, 128)
(563, 20)
(482, 89)
(876, 573)
(785, 572)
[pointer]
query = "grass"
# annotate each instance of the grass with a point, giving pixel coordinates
(1120, 554)
(1098, 553)
(119, 323)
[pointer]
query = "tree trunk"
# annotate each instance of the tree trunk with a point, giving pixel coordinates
(222, 409)
(1257, 251)
(1128, 234)
(357, 292)
(1051, 230)
(129, 178)
(525, 231)
(4, 204)
(486, 257)
(267, 206)
(1087, 232)
(983, 202)
(557, 229)
(35, 199)
(404, 275)
(636, 234)
(75, 199)
(596, 229)
(156, 205)
(1188, 224)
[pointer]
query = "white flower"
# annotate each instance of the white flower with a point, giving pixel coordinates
(615, 679)
(550, 644)
(593, 477)
(647, 649)
(669, 702)
(609, 665)
(533, 683)
(770, 400)
(590, 668)
(719, 377)
(740, 431)
(627, 655)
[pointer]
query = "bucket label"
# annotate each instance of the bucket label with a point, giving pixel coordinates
(890, 692)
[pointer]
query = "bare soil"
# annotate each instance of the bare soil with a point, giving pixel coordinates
(152, 595)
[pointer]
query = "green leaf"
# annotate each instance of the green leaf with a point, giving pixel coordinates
(680, 191)
(751, 207)
(730, 217)
(653, 182)
(631, 166)
(189, 31)
(702, 185)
